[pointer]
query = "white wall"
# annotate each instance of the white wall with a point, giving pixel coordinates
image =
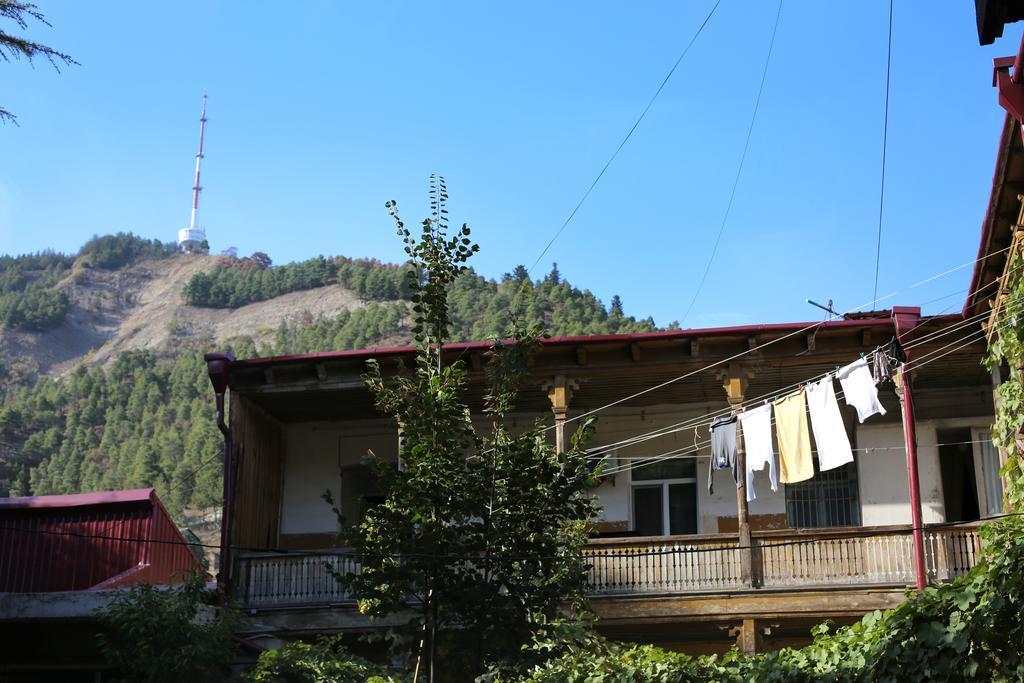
(315, 450)
(314, 454)
(884, 489)
(615, 495)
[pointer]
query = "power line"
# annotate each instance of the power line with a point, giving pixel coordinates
(971, 338)
(739, 169)
(697, 420)
(759, 347)
(885, 140)
(622, 144)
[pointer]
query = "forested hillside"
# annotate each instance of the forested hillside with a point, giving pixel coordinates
(146, 419)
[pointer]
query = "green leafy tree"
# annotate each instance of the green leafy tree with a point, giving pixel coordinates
(481, 533)
(157, 634)
(14, 47)
(325, 661)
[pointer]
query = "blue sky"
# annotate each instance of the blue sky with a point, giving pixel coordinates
(322, 111)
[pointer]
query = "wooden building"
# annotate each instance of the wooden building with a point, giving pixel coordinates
(672, 563)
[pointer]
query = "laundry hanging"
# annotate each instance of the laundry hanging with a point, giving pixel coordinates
(881, 371)
(723, 449)
(794, 442)
(827, 424)
(757, 440)
(859, 389)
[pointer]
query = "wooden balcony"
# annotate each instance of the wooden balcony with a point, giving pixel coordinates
(868, 557)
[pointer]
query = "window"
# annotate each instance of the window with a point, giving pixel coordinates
(829, 499)
(665, 497)
(990, 476)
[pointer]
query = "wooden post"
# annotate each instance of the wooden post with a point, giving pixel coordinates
(749, 637)
(734, 382)
(560, 394)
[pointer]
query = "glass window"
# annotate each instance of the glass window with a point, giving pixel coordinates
(665, 497)
(990, 473)
(682, 508)
(671, 468)
(647, 511)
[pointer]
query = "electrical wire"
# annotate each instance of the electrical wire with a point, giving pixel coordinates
(703, 419)
(885, 140)
(739, 168)
(629, 134)
(759, 347)
(971, 339)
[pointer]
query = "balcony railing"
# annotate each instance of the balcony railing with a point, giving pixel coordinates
(788, 559)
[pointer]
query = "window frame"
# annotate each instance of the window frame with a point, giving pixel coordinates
(664, 484)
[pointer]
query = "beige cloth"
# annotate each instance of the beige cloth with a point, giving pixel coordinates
(795, 462)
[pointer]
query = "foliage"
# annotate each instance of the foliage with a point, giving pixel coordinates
(146, 420)
(16, 47)
(111, 252)
(325, 661)
(157, 634)
(26, 298)
(478, 307)
(970, 629)
(33, 308)
(482, 533)
(139, 423)
(1006, 351)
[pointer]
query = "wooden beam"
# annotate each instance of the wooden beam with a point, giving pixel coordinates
(581, 355)
(635, 352)
(865, 338)
(809, 341)
(694, 348)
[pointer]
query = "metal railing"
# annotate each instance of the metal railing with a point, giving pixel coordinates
(786, 559)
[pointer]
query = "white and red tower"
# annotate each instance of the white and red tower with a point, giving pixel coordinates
(190, 239)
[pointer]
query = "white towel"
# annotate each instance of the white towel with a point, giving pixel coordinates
(827, 424)
(757, 441)
(859, 389)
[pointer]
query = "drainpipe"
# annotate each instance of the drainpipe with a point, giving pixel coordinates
(217, 367)
(906, 319)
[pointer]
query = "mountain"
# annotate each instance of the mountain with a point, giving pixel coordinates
(102, 382)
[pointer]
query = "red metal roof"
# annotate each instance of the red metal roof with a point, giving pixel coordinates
(90, 541)
(883, 320)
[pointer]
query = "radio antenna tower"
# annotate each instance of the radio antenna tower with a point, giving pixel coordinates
(191, 239)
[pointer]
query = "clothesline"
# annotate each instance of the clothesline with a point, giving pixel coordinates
(916, 363)
(689, 423)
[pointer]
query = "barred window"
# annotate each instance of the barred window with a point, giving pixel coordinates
(828, 499)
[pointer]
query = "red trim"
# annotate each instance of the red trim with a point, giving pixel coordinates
(883, 320)
(79, 499)
(989, 221)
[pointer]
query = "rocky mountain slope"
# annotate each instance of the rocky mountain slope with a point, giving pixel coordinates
(141, 307)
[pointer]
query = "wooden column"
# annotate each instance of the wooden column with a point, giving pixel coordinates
(560, 394)
(750, 637)
(734, 381)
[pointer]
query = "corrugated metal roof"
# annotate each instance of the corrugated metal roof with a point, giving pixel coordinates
(89, 541)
